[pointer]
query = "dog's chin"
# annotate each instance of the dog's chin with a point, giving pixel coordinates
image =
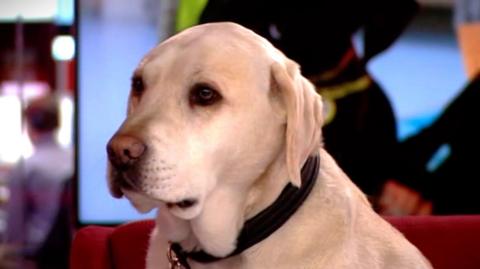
(140, 202)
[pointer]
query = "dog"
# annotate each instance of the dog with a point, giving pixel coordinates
(223, 137)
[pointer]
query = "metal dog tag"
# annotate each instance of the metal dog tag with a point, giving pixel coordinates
(174, 259)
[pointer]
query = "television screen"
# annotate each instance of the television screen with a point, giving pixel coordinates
(109, 50)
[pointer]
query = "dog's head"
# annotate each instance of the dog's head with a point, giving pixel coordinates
(210, 111)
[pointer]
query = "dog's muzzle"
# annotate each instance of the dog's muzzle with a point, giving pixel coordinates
(125, 153)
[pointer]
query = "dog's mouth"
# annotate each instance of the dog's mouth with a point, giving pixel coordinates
(123, 184)
(183, 204)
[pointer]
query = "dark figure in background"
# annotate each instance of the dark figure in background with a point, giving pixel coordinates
(37, 185)
(449, 183)
(452, 186)
(360, 130)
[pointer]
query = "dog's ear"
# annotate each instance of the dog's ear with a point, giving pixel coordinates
(303, 107)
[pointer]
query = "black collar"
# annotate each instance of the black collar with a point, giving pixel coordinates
(264, 223)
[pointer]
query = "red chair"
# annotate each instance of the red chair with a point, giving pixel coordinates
(449, 242)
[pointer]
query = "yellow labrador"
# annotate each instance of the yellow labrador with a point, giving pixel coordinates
(223, 136)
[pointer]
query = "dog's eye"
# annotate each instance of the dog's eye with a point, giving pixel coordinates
(137, 85)
(203, 95)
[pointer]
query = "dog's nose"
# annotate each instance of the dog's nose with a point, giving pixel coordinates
(125, 150)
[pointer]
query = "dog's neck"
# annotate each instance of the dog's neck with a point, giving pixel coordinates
(262, 224)
(267, 188)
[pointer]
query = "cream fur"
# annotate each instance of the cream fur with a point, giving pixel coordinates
(236, 156)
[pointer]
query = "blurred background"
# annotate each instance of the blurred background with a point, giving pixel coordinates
(82, 54)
